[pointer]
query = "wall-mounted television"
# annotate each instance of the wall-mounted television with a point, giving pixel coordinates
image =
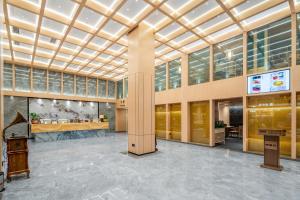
(269, 82)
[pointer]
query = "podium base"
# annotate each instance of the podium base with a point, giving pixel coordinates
(279, 168)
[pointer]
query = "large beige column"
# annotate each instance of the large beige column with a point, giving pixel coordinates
(141, 134)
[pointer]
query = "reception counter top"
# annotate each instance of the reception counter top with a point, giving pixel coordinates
(47, 128)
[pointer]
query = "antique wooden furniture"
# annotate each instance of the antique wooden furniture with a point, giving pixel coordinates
(272, 147)
(17, 155)
(43, 128)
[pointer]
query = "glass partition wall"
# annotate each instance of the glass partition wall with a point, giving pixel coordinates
(269, 47)
(26, 79)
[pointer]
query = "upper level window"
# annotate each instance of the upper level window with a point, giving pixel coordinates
(120, 89)
(269, 47)
(160, 78)
(199, 66)
(228, 58)
(175, 74)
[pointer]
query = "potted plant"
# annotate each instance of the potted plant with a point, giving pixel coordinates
(219, 126)
(34, 118)
(105, 119)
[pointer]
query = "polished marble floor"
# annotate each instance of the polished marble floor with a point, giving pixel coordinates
(98, 169)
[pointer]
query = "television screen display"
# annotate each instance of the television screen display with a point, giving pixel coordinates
(269, 82)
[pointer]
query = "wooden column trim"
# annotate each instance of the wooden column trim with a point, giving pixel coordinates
(211, 63)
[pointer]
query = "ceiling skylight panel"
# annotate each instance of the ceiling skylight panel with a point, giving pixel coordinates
(105, 56)
(6, 53)
(169, 29)
(108, 67)
(87, 69)
(78, 34)
(182, 37)
(213, 22)
(22, 15)
(81, 60)
(106, 3)
(41, 50)
(42, 60)
(201, 10)
(249, 4)
(99, 72)
(194, 44)
(176, 4)
(49, 40)
(119, 61)
(90, 18)
(224, 31)
(23, 33)
(64, 55)
(132, 10)
(113, 28)
(70, 46)
(53, 26)
(266, 13)
(88, 52)
(58, 63)
(99, 41)
(155, 18)
(22, 56)
(21, 45)
(73, 67)
(116, 47)
(34, 2)
(120, 70)
(119, 77)
(65, 8)
(171, 54)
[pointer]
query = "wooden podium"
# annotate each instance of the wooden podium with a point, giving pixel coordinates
(272, 148)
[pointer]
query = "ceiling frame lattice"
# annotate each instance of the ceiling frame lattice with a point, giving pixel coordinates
(115, 65)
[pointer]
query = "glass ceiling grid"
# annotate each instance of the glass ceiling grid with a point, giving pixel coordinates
(175, 21)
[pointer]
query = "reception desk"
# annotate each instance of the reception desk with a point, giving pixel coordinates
(65, 131)
(43, 128)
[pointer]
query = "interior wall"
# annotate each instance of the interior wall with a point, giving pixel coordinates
(224, 112)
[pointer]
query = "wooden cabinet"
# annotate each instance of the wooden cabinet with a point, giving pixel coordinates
(17, 155)
(219, 135)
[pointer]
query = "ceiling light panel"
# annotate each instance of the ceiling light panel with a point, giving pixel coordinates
(99, 41)
(44, 51)
(108, 67)
(156, 18)
(80, 60)
(65, 8)
(73, 67)
(96, 63)
(70, 46)
(194, 45)
(99, 72)
(132, 10)
(200, 10)
(78, 34)
(169, 29)
(21, 45)
(87, 69)
(224, 31)
(89, 17)
(22, 15)
(53, 26)
(113, 28)
(88, 52)
(105, 56)
(64, 56)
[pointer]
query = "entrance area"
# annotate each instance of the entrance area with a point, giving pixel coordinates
(229, 124)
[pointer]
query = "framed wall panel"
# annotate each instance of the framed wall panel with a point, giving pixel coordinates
(92, 87)
(111, 89)
(175, 122)
(175, 74)
(120, 89)
(160, 78)
(102, 88)
(8, 76)
(200, 122)
(270, 111)
(160, 121)
(68, 84)
(54, 82)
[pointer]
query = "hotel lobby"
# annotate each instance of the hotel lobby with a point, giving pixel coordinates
(150, 99)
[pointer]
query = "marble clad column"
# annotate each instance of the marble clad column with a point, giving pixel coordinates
(141, 135)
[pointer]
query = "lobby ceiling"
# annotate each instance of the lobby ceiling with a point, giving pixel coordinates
(89, 37)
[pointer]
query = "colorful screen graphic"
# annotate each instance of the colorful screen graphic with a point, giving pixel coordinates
(269, 82)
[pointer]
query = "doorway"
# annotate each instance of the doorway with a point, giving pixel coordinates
(229, 124)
